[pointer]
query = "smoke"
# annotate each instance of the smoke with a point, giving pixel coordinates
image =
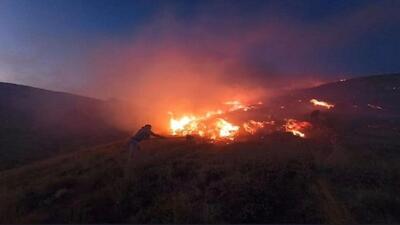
(170, 65)
(168, 68)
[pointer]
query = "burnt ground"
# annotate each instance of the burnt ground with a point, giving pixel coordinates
(346, 172)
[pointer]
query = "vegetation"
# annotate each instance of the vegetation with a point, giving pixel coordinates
(37, 124)
(346, 171)
(280, 179)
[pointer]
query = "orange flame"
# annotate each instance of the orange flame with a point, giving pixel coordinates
(183, 126)
(208, 125)
(213, 129)
(236, 105)
(226, 129)
(253, 126)
(297, 128)
(321, 103)
(213, 126)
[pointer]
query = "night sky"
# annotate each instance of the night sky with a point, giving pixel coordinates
(105, 48)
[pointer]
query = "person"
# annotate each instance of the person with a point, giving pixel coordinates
(143, 133)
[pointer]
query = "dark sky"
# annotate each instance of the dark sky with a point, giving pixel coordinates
(83, 46)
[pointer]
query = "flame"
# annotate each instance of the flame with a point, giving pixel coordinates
(185, 125)
(297, 128)
(321, 103)
(214, 129)
(213, 113)
(236, 105)
(253, 126)
(226, 129)
(214, 126)
(209, 125)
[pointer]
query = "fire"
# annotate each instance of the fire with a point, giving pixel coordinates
(226, 129)
(297, 128)
(213, 113)
(209, 125)
(253, 126)
(211, 128)
(185, 125)
(214, 125)
(321, 103)
(236, 105)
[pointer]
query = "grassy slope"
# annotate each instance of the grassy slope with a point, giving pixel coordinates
(169, 181)
(381, 90)
(37, 123)
(282, 179)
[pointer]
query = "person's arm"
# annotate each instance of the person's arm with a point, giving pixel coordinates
(156, 135)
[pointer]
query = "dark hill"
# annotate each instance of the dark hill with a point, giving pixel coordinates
(36, 123)
(380, 90)
(372, 95)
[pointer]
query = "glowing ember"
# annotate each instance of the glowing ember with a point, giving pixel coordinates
(253, 126)
(321, 103)
(236, 105)
(213, 113)
(297, 128)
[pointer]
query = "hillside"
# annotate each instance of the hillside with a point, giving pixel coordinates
(280, 179)
(380, 90)
(36, 123)
(370, 96)
(345, 171)
(170, 181)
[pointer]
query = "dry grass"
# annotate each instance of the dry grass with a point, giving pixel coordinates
(282, 179)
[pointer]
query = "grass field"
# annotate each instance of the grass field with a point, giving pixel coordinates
(280, 179)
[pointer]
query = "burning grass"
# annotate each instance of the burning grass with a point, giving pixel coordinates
(321, 103)
(211, 124)
(297, 128)
(215, 125)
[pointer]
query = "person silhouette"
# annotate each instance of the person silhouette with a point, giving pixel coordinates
(143, 133)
